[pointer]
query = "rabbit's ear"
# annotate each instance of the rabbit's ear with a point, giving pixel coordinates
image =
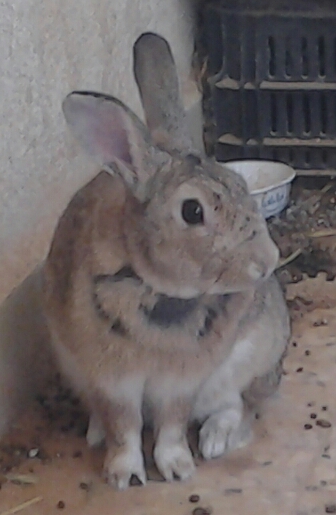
(156, 77)
(111, 133)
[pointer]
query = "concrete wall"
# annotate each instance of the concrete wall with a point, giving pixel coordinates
(48, 48)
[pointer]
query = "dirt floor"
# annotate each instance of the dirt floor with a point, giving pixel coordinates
(290, 468)
(306, 230)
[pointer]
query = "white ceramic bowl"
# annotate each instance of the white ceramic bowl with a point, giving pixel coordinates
(268, 181)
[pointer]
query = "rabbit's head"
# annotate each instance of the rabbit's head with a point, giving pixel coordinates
(190, 225)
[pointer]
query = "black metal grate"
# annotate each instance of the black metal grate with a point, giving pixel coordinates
(304, 114)
(289, 54)
(273, 67)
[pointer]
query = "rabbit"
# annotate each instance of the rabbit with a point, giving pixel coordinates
(159, 290)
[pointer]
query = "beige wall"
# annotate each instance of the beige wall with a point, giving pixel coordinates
(48, 48)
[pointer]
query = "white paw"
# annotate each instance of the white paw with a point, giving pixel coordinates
(223, 432)
(119, 469)
(174, 459)
(95, 433)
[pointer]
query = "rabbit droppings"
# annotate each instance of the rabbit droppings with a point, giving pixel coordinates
(158, 286)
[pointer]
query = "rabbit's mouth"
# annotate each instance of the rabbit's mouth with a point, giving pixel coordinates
(259, 272)
(223, 287)
(227, 283)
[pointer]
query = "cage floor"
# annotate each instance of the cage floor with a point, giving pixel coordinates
(290, 468)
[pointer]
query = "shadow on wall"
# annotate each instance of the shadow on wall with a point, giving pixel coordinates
(25, 355)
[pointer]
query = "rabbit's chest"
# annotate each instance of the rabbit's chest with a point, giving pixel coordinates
(156, 323)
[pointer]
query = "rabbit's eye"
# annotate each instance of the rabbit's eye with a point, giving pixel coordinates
(192, 212)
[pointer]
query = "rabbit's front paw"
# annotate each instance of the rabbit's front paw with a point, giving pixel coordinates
(95, 434)
(119, 469)
(174, 459)
(223, 432)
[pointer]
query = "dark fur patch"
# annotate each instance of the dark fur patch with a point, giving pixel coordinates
(95, 94)
(116, 324)
(212, 314)
(99, 308)
(118, 327)
(193, 160)
(169, 311)
(223, 300)
(126, 272)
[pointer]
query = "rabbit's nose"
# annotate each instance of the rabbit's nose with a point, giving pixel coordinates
(263, 269)
(256, 271)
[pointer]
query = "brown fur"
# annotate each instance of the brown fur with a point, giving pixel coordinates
(153, 317)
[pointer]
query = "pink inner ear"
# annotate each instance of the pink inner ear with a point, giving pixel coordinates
(108, 135)
(100, 126)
